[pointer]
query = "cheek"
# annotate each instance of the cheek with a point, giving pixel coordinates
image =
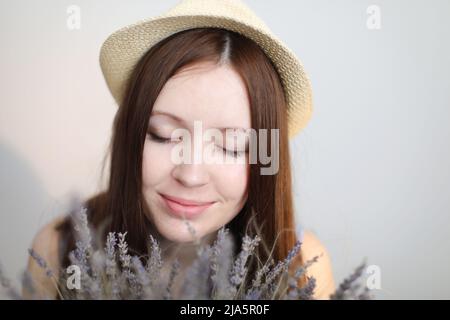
(232, 181)
(156, 164)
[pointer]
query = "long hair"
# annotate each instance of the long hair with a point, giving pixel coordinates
(269, 203)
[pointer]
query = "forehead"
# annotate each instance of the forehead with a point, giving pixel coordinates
(215, 95)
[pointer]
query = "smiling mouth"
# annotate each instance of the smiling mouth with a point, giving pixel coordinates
(182, 208)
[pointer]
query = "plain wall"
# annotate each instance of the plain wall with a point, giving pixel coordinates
(371, 169)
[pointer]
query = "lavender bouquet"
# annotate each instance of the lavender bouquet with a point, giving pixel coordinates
(112, 273)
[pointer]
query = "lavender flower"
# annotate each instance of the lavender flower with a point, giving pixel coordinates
(254, 293)
(142, 278)
(111, 272)
(216, 250)
(221, 265)
(111, 264)
(154, 263)
(239, 269)
(197, 284)
(306, 293)
(110, 249)
(6, 283)
(83, 243)
(173, 273)
(41, 262)
(282, 266)
(348, 288)
(82, 255)
(125, 260)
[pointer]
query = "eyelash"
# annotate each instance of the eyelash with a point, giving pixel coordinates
(233, 153)
(159, 139)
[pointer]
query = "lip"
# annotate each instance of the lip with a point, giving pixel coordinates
(183, 208)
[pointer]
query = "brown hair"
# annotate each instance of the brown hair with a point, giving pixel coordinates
(270, 196)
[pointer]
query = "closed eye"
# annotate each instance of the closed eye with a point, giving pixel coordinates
(233, 153)
(159, 139)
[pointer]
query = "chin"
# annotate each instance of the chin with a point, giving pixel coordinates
(188, 239)
(181, 234)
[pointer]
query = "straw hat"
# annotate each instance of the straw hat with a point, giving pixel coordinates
(123, 48)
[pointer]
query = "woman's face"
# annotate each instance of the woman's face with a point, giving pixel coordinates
(216, 96)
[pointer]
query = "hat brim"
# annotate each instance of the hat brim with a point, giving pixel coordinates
(122, 50)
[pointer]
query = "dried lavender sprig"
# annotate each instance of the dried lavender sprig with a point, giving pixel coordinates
(110, 250)
(292, 253)
(6, 283)
(82, 227)
(154, 262)
(98, 265)
(81, 256)
(301, 270)
(365, 295)
(143, 279)
(282, 266)
(239, 268)
(111, 265)
(83, 247)
(292, 289)
(342, 292)
(192, 231)
(125, 259)
(41, 262)
(197, 281)
(294, 292)
(221, 265)
(173, 273)
(307, 291)
(254, 293)
(216, 251)
(89, 288)
(48, 272)
(27, 284)
(259, 274)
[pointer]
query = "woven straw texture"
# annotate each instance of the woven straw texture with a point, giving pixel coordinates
(123, 48)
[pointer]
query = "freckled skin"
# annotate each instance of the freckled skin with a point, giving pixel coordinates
(216, 96)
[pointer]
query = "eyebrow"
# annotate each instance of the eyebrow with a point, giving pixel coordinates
(154, 113)
(178, 119)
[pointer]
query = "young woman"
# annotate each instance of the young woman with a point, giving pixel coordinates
(224, 80)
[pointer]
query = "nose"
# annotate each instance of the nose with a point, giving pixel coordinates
(194, 172)
(191, 175)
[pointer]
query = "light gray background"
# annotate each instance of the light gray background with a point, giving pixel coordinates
(371, 170)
